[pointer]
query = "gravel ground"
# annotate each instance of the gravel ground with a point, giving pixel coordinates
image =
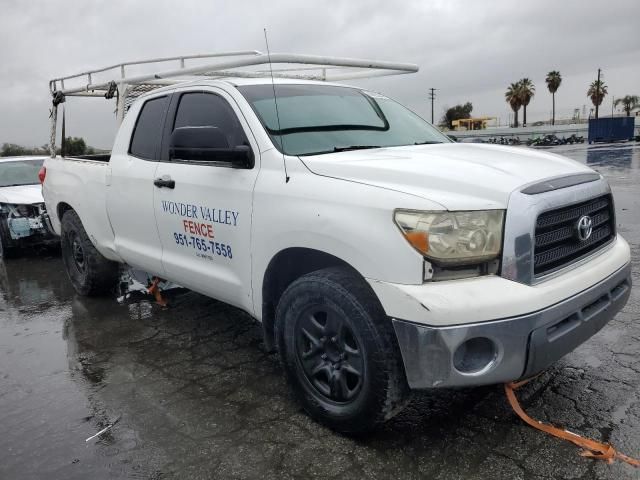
(197, 397)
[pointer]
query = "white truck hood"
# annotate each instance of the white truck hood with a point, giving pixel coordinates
(21, 195)
(457, 176)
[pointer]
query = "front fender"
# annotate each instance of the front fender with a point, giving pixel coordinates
(350, 221)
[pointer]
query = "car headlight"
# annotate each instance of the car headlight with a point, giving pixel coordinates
(453, 238)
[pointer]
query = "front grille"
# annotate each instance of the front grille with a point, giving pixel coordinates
(557, 243)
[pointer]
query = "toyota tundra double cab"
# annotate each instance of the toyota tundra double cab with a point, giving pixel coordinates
(379, 256)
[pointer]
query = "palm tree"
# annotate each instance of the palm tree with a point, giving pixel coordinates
(527, 91)
(628, 102)
(553, 83)
(513, 98)
(597, 91)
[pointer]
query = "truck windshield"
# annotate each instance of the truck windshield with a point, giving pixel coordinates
(19, 172)
(317, 119)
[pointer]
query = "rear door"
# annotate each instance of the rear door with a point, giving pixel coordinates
(204, 213)
(130, 189)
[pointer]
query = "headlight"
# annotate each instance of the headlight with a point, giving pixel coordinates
(453, 238)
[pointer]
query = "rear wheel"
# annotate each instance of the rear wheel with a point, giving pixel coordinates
(339, 351)
(91, 274)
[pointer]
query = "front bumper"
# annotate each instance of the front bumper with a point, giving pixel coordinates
(521, 346)
(29, 231)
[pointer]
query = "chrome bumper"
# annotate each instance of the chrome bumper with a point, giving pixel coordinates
(512, 348)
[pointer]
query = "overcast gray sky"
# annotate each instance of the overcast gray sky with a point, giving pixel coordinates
(469, 50)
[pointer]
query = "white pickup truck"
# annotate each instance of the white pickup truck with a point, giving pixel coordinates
(378, 255)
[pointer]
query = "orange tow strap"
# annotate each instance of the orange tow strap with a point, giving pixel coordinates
(154, 290)
(590, 448)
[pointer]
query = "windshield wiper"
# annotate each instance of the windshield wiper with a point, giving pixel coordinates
(354, 147)
(427, 142)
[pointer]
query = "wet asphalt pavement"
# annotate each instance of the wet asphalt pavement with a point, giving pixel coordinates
(197, 397)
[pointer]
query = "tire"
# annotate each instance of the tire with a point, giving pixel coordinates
(90, 273)
(339, 351)
(8, 249)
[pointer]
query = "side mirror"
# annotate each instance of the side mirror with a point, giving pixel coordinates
(207, 144)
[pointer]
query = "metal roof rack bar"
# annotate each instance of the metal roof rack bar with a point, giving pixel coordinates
(253, 58)
(180, 58)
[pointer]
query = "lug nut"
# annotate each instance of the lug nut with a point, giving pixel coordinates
(323, 339)
(334, 339)
(323, 356)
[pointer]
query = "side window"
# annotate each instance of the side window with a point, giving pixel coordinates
(147, 133)
(210, 110)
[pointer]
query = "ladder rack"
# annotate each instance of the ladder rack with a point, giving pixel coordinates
(125, 88)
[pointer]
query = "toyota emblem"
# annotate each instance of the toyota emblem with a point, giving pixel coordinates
(584, 228)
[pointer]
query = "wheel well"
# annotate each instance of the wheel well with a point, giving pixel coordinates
(286, 267)
(61, 208)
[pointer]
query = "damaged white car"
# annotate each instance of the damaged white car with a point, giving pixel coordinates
(23, 219)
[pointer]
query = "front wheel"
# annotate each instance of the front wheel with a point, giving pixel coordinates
(91, 274)
(339, 351)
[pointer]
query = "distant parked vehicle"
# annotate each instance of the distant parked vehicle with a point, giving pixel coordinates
(505, 141)
(552, 140)
(546, 141)
(573, 139)
(23, 220)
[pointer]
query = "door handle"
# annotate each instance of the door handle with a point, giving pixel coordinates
(164, 183)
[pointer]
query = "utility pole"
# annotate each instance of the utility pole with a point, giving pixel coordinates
(597, 93)
(432, 97)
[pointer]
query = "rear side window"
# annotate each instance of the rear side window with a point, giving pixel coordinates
(209, 110)
(147, 133)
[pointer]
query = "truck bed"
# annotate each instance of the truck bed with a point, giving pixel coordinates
(80, 182)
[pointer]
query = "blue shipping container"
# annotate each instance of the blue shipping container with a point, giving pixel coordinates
(611, 129)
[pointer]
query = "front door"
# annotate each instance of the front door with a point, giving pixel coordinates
(203, 210)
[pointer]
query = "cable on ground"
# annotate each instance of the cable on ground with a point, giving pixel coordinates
(590, 448)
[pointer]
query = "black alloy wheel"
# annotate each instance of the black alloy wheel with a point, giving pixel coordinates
(77, 252)
(330, 354)
(339, 351)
